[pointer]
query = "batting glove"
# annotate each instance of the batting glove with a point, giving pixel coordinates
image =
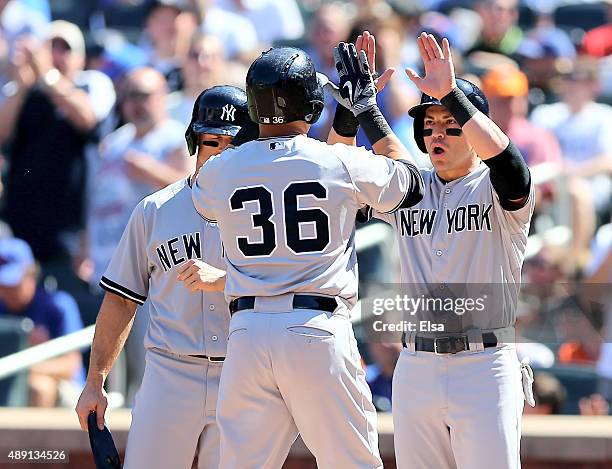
(357, 88)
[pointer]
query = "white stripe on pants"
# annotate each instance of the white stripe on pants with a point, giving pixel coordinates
(458, 411)
(174, 414)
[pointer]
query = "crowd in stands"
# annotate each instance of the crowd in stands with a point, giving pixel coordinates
(95, 96)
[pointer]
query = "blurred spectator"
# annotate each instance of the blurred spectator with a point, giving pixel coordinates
(500, 32)
(169, 27)
(237, 34)
(599, 273)
(144, 155)
(408, 15)
(379, 375)
(329, 26)
(540, 50)
(50, 117)
(540, 57)
(598, 42)
(549, 394)
(274, 20)
(58, 380)
(583, 128)
(111, 53)
(203, 68)
(506, 88)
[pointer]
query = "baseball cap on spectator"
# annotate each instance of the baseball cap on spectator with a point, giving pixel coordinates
(15, 260)
(505, 81)
(549, 42)
(179, 5)
(69, 33)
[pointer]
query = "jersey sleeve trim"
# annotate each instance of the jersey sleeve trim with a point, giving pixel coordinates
(415, 191)
(120, 290)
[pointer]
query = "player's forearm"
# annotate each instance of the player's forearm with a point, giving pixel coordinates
(384, 141)
(344, 127)
(112, 328)
(73, 102)
(333, 137)
(391, 147)
(482, 133)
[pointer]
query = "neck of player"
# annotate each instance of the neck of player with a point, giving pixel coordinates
(448, 174)
(203, 155)
(283, 130)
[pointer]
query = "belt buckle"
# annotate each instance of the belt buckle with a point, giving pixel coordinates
(451, 343)
(435, 344)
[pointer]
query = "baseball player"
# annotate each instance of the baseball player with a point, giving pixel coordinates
(165, 254)
(286, 208)
(458, 390)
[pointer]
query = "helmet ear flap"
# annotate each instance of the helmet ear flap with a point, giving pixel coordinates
(417, 128)
(192, 140)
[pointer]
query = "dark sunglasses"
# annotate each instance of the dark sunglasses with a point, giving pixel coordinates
(136, 95)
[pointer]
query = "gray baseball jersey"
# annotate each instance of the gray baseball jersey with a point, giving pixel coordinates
(460, 234)
(164, 232)
(286, 210)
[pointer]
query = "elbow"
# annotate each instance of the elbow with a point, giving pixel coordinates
(416, 189)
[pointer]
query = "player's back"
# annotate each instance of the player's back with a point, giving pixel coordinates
(288, 219)
(286, 210)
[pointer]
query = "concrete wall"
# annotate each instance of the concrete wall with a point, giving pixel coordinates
(555, 442)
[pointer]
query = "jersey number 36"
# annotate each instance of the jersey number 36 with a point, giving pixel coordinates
(292, 218)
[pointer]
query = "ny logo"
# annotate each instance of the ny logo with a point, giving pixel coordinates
(228, 113)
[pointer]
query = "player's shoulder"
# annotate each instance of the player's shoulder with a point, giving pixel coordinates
(158, 199)
(342, 149)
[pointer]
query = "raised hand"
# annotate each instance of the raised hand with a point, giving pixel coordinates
(357, 87)
(367, 42)
(439, 77)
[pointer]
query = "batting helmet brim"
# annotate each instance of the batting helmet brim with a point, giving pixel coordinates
(202, 128)
(102, 445)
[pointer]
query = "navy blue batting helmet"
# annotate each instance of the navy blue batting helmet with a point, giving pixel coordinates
(220, 110)
(473, 93)
(282, 87)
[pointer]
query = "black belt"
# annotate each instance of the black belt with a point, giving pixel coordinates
(210, 359)
(299, 302)
(449, 344)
